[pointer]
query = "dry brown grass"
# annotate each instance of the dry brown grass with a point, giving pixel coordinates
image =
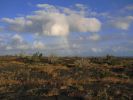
(50, 79)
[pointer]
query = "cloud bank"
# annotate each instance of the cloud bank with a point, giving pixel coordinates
(53, 21)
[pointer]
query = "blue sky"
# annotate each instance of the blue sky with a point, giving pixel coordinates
(63, 27)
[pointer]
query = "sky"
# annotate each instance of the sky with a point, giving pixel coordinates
(67, 28)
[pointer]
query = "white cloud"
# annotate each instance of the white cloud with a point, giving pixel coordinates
(81, 6)
(17, 24)
(17, 42)
(53, 21)
(24, 46)
(38, 45)
(96, 50)
(75, 45)
(48, 8)
(17, 38)
(129, 7)
(122, 23)
(13, 42)
(81, 38)
(80, 24)
(8, 48)
(94, 37)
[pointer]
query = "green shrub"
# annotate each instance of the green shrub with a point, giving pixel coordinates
(36, 57)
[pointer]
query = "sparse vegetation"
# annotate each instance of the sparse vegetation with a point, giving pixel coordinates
(53, 59)
(82, 63)
(49, 77)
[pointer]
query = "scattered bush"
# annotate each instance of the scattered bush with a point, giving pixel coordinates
(52, 59)
(19, 79)
(99, 73)
(36, 57)
(37, 54)
(82, 63)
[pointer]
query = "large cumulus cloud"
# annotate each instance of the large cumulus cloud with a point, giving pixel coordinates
(53, 21)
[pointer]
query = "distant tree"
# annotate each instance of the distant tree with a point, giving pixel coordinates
(37, 56)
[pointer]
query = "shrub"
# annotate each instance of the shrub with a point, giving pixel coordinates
(103, 95)
(112, 60)
(82, 63)
(52, 59)
(37, 56)
(99, 73)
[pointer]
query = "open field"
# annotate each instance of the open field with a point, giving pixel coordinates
(66, 78)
